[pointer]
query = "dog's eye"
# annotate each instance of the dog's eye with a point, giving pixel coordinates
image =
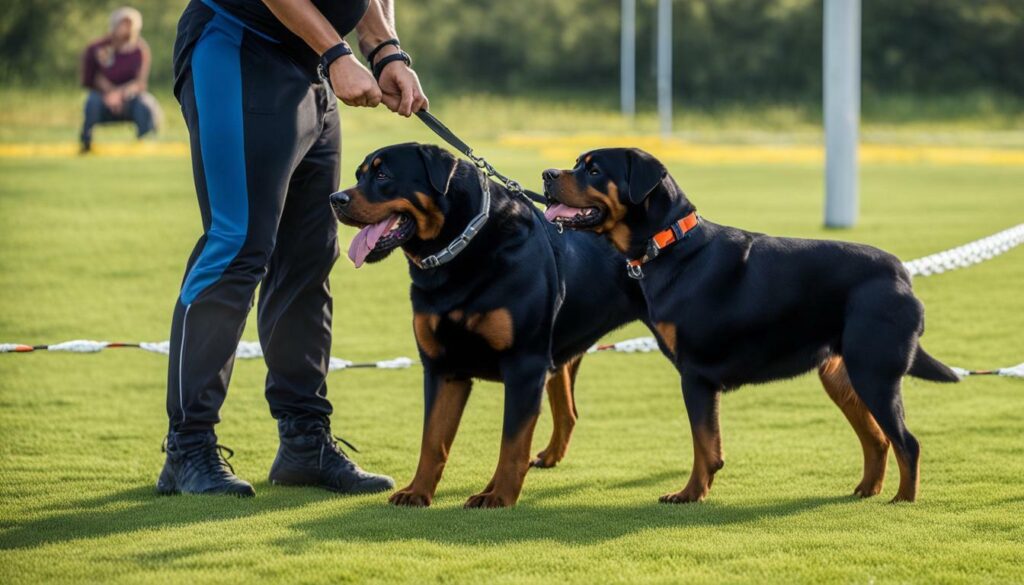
(381, 175)
(594, 171)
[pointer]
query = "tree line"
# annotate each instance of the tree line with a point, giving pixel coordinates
(724, 50)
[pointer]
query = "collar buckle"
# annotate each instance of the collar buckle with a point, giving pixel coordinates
(653, 249)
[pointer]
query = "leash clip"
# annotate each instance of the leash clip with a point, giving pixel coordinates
(634, 271)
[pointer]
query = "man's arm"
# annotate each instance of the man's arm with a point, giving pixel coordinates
(399, 84)
(377, 26)
(352, 83)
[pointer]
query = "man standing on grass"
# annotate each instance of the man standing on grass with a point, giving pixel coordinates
(255, 82)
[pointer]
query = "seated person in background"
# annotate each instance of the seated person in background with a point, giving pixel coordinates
(115, 69)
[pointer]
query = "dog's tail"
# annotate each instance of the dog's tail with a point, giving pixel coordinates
(927, 367)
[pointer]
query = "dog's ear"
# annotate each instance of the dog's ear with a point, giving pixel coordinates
(645, 173)
(440, 166)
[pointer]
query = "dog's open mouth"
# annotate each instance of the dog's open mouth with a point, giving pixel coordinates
(574, 217)
(375, 241)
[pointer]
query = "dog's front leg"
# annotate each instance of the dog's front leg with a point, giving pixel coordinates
(524, 385)
(701, 398)
(445, 399)
(561, 395)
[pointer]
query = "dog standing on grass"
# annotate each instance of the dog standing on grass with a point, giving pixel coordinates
(516, 302)
(733, 307)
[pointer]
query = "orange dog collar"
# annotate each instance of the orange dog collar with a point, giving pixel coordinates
(661, 240)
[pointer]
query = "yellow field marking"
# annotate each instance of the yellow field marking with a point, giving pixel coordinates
(114, 149)
(567, 148)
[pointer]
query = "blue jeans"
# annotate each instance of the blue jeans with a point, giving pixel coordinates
(141, 109)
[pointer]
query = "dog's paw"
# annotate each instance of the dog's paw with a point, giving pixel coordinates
(685, 496)
(866, 490)
(546, 459)
(488, 500)
(902, 498)
(411, 498)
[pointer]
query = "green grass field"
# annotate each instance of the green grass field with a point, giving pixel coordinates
(95, 247)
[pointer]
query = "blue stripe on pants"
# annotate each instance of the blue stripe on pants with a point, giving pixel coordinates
(217, 82)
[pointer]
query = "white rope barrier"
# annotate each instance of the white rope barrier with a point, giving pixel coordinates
(949, 260)
(247, 350)
(969, 254)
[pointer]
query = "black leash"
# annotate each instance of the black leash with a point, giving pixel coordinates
(481, 163)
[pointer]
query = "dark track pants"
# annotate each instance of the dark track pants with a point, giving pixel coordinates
(265, 144)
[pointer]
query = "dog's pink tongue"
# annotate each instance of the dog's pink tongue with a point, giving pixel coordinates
(560, 210)
(367, 238)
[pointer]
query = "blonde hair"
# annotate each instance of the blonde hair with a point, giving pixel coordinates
(130, 14)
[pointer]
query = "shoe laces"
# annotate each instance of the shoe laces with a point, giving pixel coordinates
(208, 458)
(331, 442)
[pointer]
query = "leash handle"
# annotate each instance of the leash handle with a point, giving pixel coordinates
(457, 143)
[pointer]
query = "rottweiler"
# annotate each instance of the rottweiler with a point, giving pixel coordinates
(733, 307)
(497, 294)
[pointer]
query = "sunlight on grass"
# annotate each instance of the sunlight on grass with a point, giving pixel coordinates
(95, 248)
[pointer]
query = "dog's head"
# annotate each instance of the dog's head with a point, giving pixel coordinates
(399, 197)
(624, 193)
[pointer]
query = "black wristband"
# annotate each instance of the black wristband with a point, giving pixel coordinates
(384, 62)
(330, 56)
(377, 49)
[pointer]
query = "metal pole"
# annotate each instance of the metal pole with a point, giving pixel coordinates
(627, 58)
(665, 65)
(842, 110)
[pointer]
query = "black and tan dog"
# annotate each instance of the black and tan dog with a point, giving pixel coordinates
(733, 307)
(516, 303)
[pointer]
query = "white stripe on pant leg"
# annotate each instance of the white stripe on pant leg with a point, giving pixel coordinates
(181, 359)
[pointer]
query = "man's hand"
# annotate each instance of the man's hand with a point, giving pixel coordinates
(114, 100)
(401, 91)
(354, 84)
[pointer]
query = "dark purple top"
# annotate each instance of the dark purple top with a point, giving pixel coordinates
(118, 68)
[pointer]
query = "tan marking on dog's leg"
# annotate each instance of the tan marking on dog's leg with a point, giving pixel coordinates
(910, 479)
(513, 463)
(667, 332)
(438, 436)
(707, 460)
(872, 440)
(563, 414)
(424, 326)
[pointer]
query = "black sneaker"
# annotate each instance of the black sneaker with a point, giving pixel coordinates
(196, 465)
(309, 455)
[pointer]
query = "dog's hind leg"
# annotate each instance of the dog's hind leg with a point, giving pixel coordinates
(524, 385)
(873, 441)
(445, 400)
(701, 398)
(561, 388)
(879, 341)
